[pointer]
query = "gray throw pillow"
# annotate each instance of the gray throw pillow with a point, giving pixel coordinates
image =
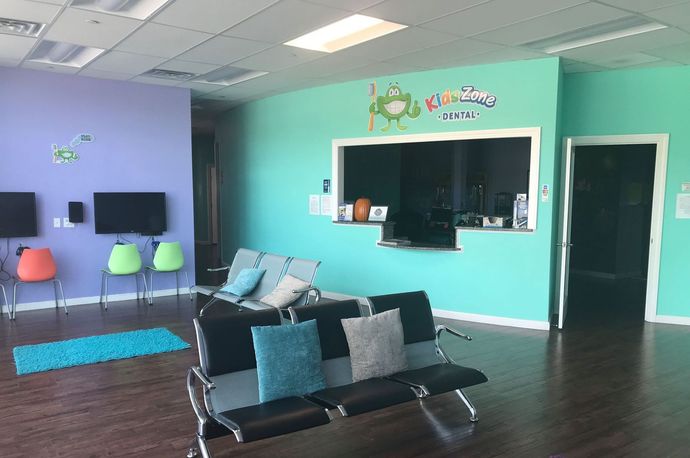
(377, 345)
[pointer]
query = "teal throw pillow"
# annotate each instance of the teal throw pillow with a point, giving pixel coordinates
(288, 360)
(245, 282)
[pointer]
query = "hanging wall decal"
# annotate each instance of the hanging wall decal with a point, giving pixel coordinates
(67, 154)
(393, 105)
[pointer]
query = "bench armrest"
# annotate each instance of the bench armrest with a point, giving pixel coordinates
(316, 290)
(439, 330)
(194, 374)
(218, 269)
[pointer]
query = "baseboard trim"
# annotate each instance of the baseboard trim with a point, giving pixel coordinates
(495, 320)
(25, 306)
(473, 317)
(670, 319)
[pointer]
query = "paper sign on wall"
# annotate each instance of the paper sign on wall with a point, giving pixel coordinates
(314, 207)
(545, 193)
(683, 206)
(326, 208)
(685, 187)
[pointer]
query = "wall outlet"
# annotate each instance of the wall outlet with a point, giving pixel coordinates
(66, 223)
(56, 222)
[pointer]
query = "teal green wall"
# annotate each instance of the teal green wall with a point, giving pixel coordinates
(276, 151)
(202, 157)
(645, 101)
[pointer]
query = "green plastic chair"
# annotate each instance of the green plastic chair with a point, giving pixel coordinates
(168, 258)
(124, 260)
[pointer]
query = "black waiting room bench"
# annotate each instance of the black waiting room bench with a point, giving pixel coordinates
(227, 370)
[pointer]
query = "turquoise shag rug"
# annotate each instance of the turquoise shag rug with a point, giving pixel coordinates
(95, 349)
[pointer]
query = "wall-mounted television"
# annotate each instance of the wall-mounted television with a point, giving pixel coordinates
(18, 214)
(129, 212)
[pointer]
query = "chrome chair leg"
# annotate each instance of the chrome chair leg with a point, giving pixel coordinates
(189, 288)
(207, 305)
(62, 293)
(7, 304)
(136, 292)
(14, 300)
(105, 304)
(147, 292)
(177, 283)
(470, 406)
(56, 295)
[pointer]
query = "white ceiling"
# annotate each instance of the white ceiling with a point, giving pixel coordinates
(200, 36)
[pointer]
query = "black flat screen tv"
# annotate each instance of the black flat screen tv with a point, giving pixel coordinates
(18, 214)
(129, 212)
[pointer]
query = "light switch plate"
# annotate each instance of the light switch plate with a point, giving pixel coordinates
(66, 223)
(56, 222)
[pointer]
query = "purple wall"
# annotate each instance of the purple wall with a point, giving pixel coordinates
(142, 143)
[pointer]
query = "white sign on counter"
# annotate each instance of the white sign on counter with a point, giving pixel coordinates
(683, 206)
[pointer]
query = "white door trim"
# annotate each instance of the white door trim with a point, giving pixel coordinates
(661, 142)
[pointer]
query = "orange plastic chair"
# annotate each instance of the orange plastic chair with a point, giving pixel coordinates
(37, 266)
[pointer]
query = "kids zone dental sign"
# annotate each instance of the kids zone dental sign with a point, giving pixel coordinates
(394, 105)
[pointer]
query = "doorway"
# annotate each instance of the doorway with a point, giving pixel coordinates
(612, 203)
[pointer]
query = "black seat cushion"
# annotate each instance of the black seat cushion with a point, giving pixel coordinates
(365, 396)
(277, 417)
(441, 378)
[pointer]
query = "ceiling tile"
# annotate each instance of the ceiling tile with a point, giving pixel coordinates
(413, 12)
(277, 58)
(286, 20)
(656, 64)
(349, 5)
(223, 50)
(15, 47)
(573, 66)
(211, 16)
(199, 88)
(118, 61)
(495, 14)
(626, 60)
(162, 40)
(397, 43)
(54, 2)
(229, 93)
(324, 66)
(190, 67)
(552, 24)
(93, 73)
(636, 43)
(447, 54)
(677, 53)
(642, 5)
(678, 15)
(9, 62)
(501, 55)
(376, 70)
(50, 67)
(28, 11)
(72, 27)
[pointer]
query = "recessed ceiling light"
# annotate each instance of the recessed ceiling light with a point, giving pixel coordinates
(66, 54)
(347, 32)
(137, 9)
(19, 27)
(227, 76)
(599, 33)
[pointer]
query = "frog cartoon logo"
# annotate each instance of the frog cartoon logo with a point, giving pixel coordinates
(67, 154)
(393, 105)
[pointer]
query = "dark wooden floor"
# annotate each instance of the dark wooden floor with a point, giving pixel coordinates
(613, 388)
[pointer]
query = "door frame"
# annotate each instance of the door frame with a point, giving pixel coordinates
(658, 199)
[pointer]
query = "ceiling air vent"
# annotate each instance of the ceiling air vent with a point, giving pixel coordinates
(227, 76)
(17, 27)
(169, 74)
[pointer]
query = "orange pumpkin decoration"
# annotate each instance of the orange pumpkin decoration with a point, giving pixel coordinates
(362, 207)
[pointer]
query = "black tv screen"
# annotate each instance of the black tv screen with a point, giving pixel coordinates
(18, 214)
(129, 212)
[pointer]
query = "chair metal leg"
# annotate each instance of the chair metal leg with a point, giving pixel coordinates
(177, 283)
(14, 301)
(105, 305)
(150, 288)
(56, 294)
(7, 304)
(470, 406)
(189, 288)
(62, 293)
(100, 299)
(136, 281)
(198, 446)
(147, 292)
(207, 305)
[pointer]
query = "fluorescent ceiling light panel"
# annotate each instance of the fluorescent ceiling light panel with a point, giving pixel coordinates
(137, 9)
(227, 76)
(19, 27)
(66, 54)
(347, 32)
(599, 33)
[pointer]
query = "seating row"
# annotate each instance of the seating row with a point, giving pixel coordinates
(230, 380)
(276, 267)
